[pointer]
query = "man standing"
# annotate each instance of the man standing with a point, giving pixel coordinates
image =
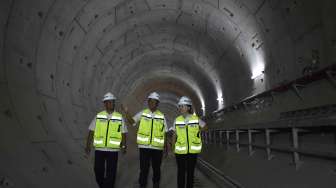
(151, 139)
(107, 132)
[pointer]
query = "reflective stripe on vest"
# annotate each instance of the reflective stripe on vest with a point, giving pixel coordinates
(142, 139)
(161, 141)
(107, 133)
(98, 141)
(179, 148)
(188, 136)
(196, 148)
(151, 129)
(114, 142)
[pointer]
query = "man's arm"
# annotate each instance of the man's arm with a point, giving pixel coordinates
(203, 125)
(128, 116)
(166, 145)
(89, 141)
(166, 140)
(205, 128)
(173, 141)
(123, 142)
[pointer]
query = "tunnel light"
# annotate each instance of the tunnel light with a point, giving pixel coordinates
(257, 71)
(258, 66)
(203, 111)
(203, 108)
(254, 76)
(220, 100)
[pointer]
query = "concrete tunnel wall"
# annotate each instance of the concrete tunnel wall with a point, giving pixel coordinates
(58, 57)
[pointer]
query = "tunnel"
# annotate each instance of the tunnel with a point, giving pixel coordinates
(260, 73)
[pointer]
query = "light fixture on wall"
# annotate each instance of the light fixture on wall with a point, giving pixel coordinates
(257, 71)
(220, 101)
(258, 65)
(203, 110)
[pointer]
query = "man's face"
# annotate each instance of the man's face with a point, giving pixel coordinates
(109, 105)
(153, 104)
(183, 109)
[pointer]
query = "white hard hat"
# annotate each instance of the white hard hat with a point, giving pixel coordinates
(108, 97)
(154, 95)
(184, 101)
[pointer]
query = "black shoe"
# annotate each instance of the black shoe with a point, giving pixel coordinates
(156, 185)
(137, 185)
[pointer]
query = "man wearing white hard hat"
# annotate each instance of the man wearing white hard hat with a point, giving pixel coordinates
(187, 142)
(107, 133)
(151, 139)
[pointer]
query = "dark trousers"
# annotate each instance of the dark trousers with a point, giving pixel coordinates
(185, 167)
(148, 156)
(105, 168)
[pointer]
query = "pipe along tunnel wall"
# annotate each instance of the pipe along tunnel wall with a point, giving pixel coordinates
(58, 57)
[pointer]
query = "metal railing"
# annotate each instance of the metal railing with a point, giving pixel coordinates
(296, 127)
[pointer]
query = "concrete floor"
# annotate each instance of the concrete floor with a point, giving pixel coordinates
(129, 168)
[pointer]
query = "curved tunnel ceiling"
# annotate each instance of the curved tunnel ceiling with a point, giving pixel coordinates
(129, 30)
(63, 55)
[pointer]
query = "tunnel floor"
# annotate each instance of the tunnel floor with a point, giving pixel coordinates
(128, 168)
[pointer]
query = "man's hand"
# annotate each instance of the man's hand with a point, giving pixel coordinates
(125, 112)
(123, 149)
(124, 108)
(87, 151)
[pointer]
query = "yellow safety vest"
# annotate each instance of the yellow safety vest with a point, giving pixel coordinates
(151, 129)
(108, 131)
(188, 135)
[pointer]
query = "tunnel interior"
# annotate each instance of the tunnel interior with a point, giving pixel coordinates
(59, 57)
